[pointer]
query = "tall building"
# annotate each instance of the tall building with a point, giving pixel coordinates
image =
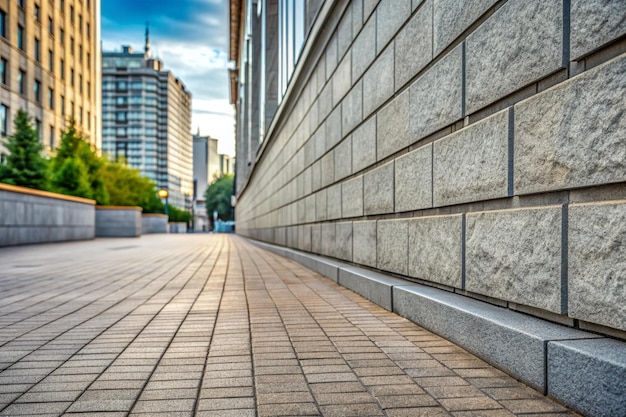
(146, 120)
(50, 67)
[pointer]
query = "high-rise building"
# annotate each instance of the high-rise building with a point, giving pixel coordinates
(50, 67)
(146, 120)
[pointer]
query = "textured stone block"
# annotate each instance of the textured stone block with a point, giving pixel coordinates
(511, 341)
(368, 7)
(378, 82)
(364, 49)
(589, 375)
(453, 17)
(333, 198)
(378, 190)
(320, 205)
(325, 101)
(342, 79)
(392, 246)
(573, 134)
(392, 126)
(333, 128)
(515, 255)
(435, 245)
(328, 168)
(331, 57)
(597, 263)
(413, 180)
(344, 33)
(329, 244)
(316, 175)
(304, 238)
(316, 238)
(364, 243)
(434, 108)
(357, 16)
(371, 285)
(414, 46)
(519, 44)
(594, 23)
(352, 109)
(311, 206)
(352, 197)
(343, 236)
(319, 138)
(343, 159)
(390, 15)
(364, 145)
(472, 164)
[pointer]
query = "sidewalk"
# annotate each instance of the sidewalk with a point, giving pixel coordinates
(210, 325)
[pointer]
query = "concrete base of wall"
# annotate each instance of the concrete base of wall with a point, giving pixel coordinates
(582, 370)
(118, 221)
(153, 223)
(178, 227)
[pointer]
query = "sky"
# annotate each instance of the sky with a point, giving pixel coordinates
(191, 38)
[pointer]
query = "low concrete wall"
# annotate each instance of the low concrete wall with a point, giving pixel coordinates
(33, 216)
(153, 223)
(118, 221)
(178, 227)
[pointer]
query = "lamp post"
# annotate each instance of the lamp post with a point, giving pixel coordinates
(163, 193)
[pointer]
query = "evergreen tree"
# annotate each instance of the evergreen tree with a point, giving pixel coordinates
(217, 197)
(25, 165)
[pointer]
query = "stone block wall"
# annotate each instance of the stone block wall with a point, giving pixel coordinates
(153, 223)
(31, 216)
(476, 146)
(118, 221)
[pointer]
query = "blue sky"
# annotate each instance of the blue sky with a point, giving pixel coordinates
(191, 38)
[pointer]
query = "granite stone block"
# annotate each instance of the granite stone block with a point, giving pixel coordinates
(364, 145)
(509, 340)
(431, 108)
(595, 23)
(319, 138)
(343, 159)
(343, 236)
(453, 17)
(392, 126)
(320, 205)
(520, 43)
(311, 205)
(515, 255)
(435, 245)
(472, 164)
(364, 243)
(329, 244)
(325, 101)
(331, 57)
(328, 168)
(597, 263)
(357, 16)
(352, 197)
(378, 81)
(333, 128)
(352, 109)
(368, 7)
(333, 210)
(316, 238)
(378, 190)
(342, 79)
(304, 238)
(316, 175)
(589, 375)
(390, 15)
(392, 246)
(371, 285)
(414, 45)
(572, 135)
(364, 49)
(413, 180)
(344, 33)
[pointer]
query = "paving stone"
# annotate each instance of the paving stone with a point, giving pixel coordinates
(414, 180)
(594, 24)
(520, 43)
(414, 45)
(430, 108)
(572, 135)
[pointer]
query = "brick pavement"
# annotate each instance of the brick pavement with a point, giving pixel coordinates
(210, 325)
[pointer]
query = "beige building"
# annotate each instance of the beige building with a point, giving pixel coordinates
(49, 66)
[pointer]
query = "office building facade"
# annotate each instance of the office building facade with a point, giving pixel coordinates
(146, 120)
(50, 67)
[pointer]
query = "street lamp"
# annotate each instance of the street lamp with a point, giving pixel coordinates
(163, 193)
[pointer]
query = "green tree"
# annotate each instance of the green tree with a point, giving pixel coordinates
(217, 197)
(178, 215)
(25, 165)
(127, 187)
(75, 147)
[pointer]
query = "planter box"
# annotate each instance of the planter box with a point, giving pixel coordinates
(118, 221)
(153, 223)
(34, 216)
(178, 227)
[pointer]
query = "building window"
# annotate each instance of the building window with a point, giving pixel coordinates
(4, 119)
(51, 60)
(88, 120)
(63, 105)
(51, 98)
(80, 115)
(21, 42)
(121, 116)
(291, 38)
(88, 61)
(50, 26)
(38, 128)
(52, 144)
(21, 81)
(80, 84)
(62, 68)
(37, 90)
(71, 44)
(72, 77)
(62, 36)
(3, 24)
(62, 5)
(88, 31)
(88, 90)
(37, 50)
(71, 13)
(4, 66)
(20, 3)
(80, 23)
(72, 108)
(37, 13)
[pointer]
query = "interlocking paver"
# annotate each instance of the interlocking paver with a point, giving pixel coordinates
(210, 325)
